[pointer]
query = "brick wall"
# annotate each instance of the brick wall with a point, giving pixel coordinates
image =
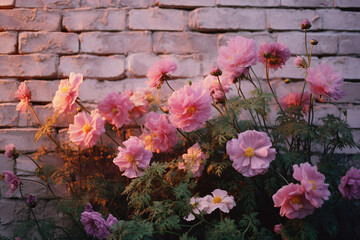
(113, 42)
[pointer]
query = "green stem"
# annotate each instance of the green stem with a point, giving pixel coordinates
(306, 48)
(280, 175)
(256, 78)
(222, 89)
(214, 105)
(272, 90)
(136, 122)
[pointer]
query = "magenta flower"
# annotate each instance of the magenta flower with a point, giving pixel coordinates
(159, 135)
(115, 108)
(67, 93)
(111, 220)
(277, 230)
(10, 150)
(219, 199)
(350, 184)
(293, 99)
(237, 56)
(12, 180)
(275, 54)
(190, 107)
(325, 81)
(86, 129)
(194, 160)
(88, 208)
(24, 95)
(95, 224)
(215, 71)
(292, 201)
(31, 201)
(211, 83)
(160, 71)
(198, 205)
(316, 190)
(133, 158)
(251, 153)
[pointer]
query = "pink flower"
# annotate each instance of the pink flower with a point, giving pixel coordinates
(219, 199)
(211, 83)
(350, 184)
(67, 93)
(86, 129)
(198, 205)
(111, 220)
(159, 135)
(251, 153)
(325, 81)
(194, 160)
(277, 230)
(133, 158)
(140, 99)
(12, 180)
(9, 151)
(293, 99)
(190, 107)
(215, 71)
(237, 56)
(292, 201)
(24, 95)
(160, 71)
(275, 54)
(115, 108)
(300, 62)
(305, 24)
(95, 224)
(316, 190)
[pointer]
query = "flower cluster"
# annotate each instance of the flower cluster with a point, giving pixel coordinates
(194, 160)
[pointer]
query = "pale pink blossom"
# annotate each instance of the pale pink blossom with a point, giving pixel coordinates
(190, 107)
(115, 108)
(67, 93)
(140, 99)
(292, 201)
(211, 83)
(316, 190)
(194, 160)
(159, 135)
(133, 158)
(198, 205)
(24, 95)
(9, 149)
(160, 71)
(12, 180)
(300, 62)
(350, 184)
(251, 153)
(219, 199)
(237, 56)
(275, 54)
(86, 129)
(293, 99)
(325, 81)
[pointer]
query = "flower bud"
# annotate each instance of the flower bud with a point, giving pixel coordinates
(189, 82)
(305, 24)
(287, 81)
(31, 201)
(78, 110)
(216, 71)
(300, 62)
(314, 42)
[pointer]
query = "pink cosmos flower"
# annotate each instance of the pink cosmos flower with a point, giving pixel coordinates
(12, 180)
(194, 160)
(190, 107)
(96, 225)
(9, 150)
(133, 158)
(292, 201)
(325, 81)
(275, 54)
(293, 99)
(237, 56)
(219, 199)
(24, 95)
(211, 83)
(160, 70)
(350, 184)
(159, 135)
(316, 190)
(198, 204)
(86, 129)
(67, 93)
(251, 153)
(140, 99)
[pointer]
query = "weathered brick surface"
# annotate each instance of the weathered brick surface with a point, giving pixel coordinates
(344, 20)
(6, 164)
(347, 3)
(24, 166)
(56, 42)
(30, 19)
(157, 19)
(7, 89)
(12, 210)
(307, 3)
(258, 37)
(353, 113)
(9, 117)
(184, 42)
(250, 3)
(276, 19)
(349, 66)
(117, 3)
(93, 66)
(7, 3)
(349, 43)
(8, 42)
(211, 19)
(186, 3)
(42, 90)
(59, 4)
(94, 20)
(113, 43)
(34, 65)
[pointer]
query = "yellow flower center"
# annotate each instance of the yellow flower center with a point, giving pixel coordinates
(86, 128)
(230, 58)
(65, 89)
(130, 158)
(191, 109)
(217, 199)
(314, 184)
(249, 152)
(296, 201)
(114, 110)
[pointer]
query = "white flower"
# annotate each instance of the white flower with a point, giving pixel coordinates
(198, 204)
(221, 200)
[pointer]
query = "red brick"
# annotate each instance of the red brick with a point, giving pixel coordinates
(8, 42)
(33, 65)
(289, 19)
(110, 67)
(113, 43)
(9, 117)
(94, 20)
(56, 42)
(8, 88)
(334, 19)
(30, 20)
(59, 4)
(186, 3)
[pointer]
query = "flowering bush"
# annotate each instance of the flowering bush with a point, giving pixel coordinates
(193, 169)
